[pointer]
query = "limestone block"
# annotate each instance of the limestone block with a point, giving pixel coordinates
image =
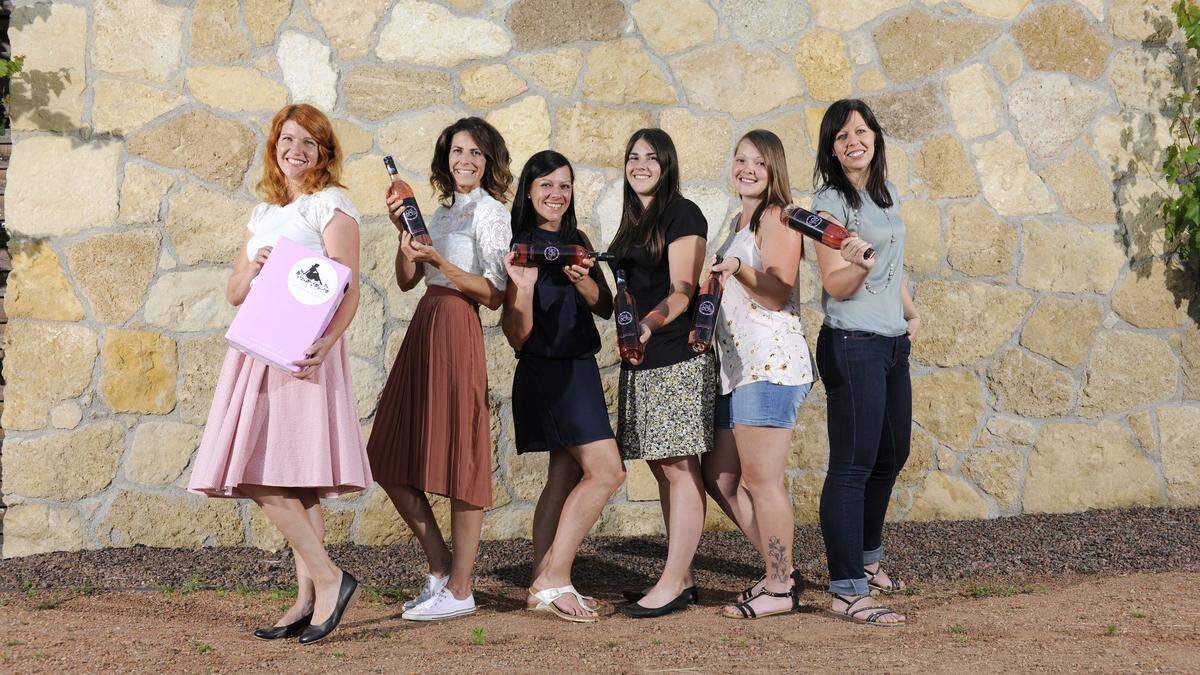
(142, 191)
(762, 21)
(729, 78)
(40, 528)
(367, 181)
(979, 244)
(161, 451)
(215, 32)
(702, 142)
(351, 25)
(1143, 429)
(1061, 38)
(923, 236)
(37, 286)
(64, 466)
(263, 534)
(211, 147)
(1155, 295)
(974, 101)
(526, 474)
(640, 484)
(1084, 192)
(365, 335)
(114, 271)
(1141, 20)
(596, 135)
(917, 44)
(1009, 185)
(910, 114)
(138, 371)
(31, 352)
(551, 23)
(337, 526)
(1062, 329)
(846, 15)
(1126, 370)
(410, 140)
(502, 363)
(157, 520)
(487, 86)
(1180, 432)
(997, 9)
(353, 139)
(40, 168)
(48, 94)
(1026, 386)
(806, 497)
(1069, 258)
(948, 405)
(526, 129)
(200, 364)
(997, 472)
(1131, 142)
(966, 321)
(1074, 467)
(1050, 111)
(66, 415)
(629, 520)
(514, 523)
(555, 71)
(623, 72)
(264, 17)
(368, 383)
(922, 450)
(190, 300)
(375, 92)
(946, 497)
(1012, 429)
(142, 39)
(790, 128)
(207, 226)
(1007, 61)
(674, 25)
(1145, 79)
(121, 107)
(821, 60)
(1140, 201)
(310, 76)
(457, 38)
(236, 89)
(809, 447)
(871, 80)
(942, 164)
(1189, 351)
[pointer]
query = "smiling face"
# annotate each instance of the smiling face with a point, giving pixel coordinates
(295, 151)
(854, 145)
(551, 195)
(642, 169)
(467, 162)
(749, 170)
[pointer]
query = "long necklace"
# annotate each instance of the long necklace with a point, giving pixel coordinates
(891, 272)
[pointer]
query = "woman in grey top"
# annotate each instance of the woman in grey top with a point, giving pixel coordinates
(862, 356)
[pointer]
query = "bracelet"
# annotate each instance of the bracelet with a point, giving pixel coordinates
(739, 267)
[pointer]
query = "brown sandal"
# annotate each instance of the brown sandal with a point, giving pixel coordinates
(872, 619)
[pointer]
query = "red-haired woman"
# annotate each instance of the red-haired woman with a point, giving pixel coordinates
(432, 431)
(286, 440)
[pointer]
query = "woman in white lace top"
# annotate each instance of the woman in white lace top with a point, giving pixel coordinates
(432, 429)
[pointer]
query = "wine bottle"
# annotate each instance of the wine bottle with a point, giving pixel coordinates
(411, 213)
(825, 231)
(707, 306)
(534, 255)
(629, 330)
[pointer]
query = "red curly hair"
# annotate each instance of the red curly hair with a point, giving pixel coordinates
(328, 171)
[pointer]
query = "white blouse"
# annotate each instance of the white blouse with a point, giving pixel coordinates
(473, 235)
(757, 344)
(303, 220)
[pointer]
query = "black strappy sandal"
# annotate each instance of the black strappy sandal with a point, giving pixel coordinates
(851, 614)
(748, 594)
(748, 612)
(894, 585)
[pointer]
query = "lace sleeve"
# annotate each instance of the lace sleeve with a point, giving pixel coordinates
(493, 233)
(325, 203)
(255, 215)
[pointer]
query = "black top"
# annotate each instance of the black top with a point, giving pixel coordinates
(562, 322)
(650, 282)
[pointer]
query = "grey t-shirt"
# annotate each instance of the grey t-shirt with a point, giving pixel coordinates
(881, 311)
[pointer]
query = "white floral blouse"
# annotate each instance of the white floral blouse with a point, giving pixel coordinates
(474, 235)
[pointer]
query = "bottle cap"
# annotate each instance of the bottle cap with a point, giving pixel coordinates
(390, 164)
(603, 255)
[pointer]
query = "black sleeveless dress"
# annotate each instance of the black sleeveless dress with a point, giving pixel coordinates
(557, 397)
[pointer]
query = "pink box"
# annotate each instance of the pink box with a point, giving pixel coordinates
(289, 305)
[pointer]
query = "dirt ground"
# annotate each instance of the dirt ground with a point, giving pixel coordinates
(1135, 622)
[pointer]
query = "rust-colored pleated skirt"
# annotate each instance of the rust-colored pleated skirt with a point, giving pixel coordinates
(431, 429)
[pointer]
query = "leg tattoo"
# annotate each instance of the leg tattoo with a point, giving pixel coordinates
(777, 552)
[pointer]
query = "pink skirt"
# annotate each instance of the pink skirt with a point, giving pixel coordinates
(266, 427)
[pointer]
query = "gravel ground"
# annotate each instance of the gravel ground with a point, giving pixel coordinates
(1111, 542)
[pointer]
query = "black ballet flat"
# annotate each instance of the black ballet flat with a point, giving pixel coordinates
(692, 591)
(345, 595)
(636, 611)
(289, 631)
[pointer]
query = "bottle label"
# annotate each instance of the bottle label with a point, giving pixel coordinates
(412, 217)
(813, 219)
(551, 253)
(707, 308)
(625, 318)
(310, 281)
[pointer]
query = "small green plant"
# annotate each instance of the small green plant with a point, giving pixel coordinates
(243, 589)
(29, 588)
(191, 585)
(656, 642)
(8, 68)
(48, 602)
(336, 654)
(285, 593)
(165, 588)
(38, 656)
(958, 629)
(88, 588)
(373, 595)
(1110, 630)
(611, 644)
(220, 592)
(478, 636)
(1138, 614)
(13, 643)
(743, 642)
(1181, 164)
(200, 646)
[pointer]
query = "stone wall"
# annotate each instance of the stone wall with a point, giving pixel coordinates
(1058, 369)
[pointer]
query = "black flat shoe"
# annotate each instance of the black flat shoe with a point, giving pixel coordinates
(692, 591)
(345, 595)
(636, 611)
(289, 631)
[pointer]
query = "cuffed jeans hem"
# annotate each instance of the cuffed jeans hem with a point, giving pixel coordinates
(872, 557)
(850, 587)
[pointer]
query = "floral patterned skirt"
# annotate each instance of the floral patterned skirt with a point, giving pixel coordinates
(667, 412)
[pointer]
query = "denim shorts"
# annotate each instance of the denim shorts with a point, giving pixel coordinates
(760, 404)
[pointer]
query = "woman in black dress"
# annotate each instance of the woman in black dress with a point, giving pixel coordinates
(558, 401)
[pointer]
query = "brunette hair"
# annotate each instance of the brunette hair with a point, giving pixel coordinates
(524, 218)
(643, 226)
(779, 190)
(497, 177)
(828, 172)
(328, 171)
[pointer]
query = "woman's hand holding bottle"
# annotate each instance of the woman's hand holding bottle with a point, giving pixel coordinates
(854, 251)
(523, 277)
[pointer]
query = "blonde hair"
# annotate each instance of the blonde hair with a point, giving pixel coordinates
(779, 189)
(328, 171)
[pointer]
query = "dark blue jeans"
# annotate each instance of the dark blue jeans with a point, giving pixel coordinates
(869, 403)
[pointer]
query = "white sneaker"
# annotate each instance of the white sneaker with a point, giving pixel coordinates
(432, 586)
(443, 605)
